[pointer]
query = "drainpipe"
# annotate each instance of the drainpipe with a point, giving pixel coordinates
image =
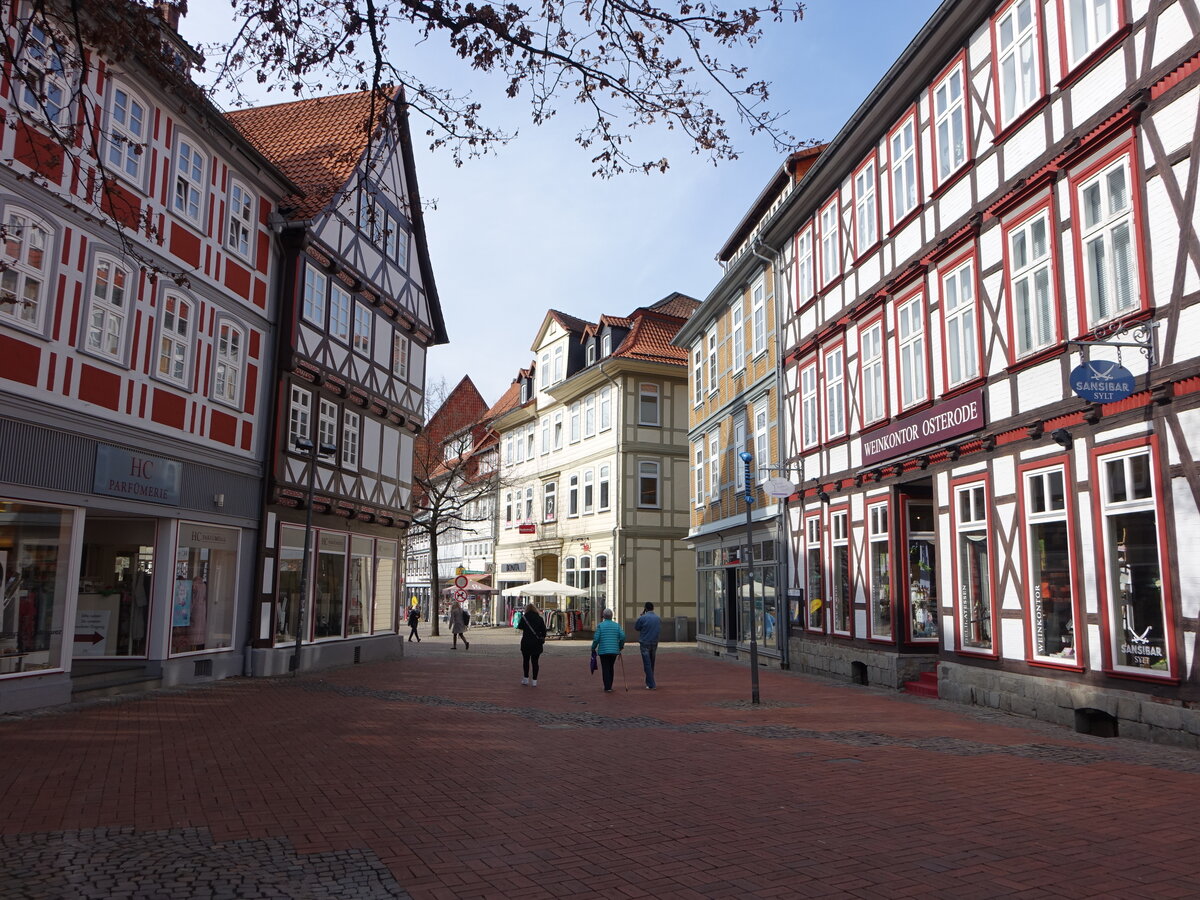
(618, 568)
(782, 623)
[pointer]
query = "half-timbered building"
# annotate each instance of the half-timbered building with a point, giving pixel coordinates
(1015, 200)
(136, 335)
(358, 311)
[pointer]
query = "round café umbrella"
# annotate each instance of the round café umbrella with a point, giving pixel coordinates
(543, 588)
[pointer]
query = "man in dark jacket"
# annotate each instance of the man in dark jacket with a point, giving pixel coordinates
(648, 626)
(414, 617)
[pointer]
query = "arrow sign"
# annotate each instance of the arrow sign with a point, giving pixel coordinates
(94, 638)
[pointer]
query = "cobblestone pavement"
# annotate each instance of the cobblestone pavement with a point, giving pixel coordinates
(442, 776)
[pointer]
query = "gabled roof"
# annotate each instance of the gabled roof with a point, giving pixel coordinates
(681, 306)
(650, 338)
(611, 322)
(569, 322)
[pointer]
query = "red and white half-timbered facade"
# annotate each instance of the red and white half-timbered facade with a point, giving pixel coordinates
(136, 328)
(1015, 198)
(359, 309)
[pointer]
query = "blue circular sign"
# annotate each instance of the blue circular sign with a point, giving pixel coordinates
(1102, 381)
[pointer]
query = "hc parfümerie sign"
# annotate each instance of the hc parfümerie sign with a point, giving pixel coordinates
(950, 419)
(136, 476)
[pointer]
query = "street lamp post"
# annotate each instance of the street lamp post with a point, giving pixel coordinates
(313, 449)
(747, 457)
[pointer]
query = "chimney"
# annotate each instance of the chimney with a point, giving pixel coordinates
(169, 13)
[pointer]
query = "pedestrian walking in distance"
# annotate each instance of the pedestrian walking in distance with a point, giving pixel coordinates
(414, 618)
(458, 626)
(533, 639)
(608, 642)
(648, 626)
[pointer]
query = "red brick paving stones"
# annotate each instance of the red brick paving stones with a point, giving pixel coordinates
(445, 774)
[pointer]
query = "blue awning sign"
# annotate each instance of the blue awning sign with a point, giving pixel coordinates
(1102, 381)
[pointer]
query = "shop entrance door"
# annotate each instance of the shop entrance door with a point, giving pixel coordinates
(920, 568)
(112, 617)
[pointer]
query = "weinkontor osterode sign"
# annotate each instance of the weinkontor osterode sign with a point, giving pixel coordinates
(956, 417)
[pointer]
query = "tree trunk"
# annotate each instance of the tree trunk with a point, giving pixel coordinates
(434, 587)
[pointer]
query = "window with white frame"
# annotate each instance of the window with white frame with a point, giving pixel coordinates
(738, 336)
(362, 328)
(810, 429)
(1049, 578)
(508, 509)
(188, 196)
(399, 355)
(1089, 24)
(602, 487)
(835, 392)
(241, 219)
(549, 501)
(648, 485)
(518, 448)
(339, 312)
(950, 122)
(1030, 261)
(874, 395)
(525, 390)
(648, 404)
(605, 409)
(545, 435)
(575, 423)
(714, 466)
(805, 283)
(762, 446)
(509, 454)
(1016, 59)
(1110, 263)
(1133, 573)
(841, 602)
(879, 570)
(974, 567)
(958, 322)
(558, 431)
(815, 574)
(227, 382)
(911, 348)
(573, 496)
(529, 504)
(739, 444)
(175, 339)
(26, 268)
(699, 472)
(831, 262)
(558, 364)
(530, 437)
(589, 491)
(712, 360)
(316, 288)
(758, 313)
(589, 415)
(327, 420)
(299, 415)
(351, 423)
(606, 343)
(127, 133)
(866, 209)
(591, 352)
(902, 147)
(698, 373)
(108, 308)
(544, 372)
(45, 84)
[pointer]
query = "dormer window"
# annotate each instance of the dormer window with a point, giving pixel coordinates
(606, 344)
(524, 390)
(591, 351)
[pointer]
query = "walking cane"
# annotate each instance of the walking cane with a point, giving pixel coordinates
(621, 657)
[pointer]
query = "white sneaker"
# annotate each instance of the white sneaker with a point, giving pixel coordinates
(526, 681)
(535, 682)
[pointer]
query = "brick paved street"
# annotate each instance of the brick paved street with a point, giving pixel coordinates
(441, 776)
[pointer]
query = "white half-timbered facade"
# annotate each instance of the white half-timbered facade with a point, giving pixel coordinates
(359, 311)
(1014, 199)
(136, 342)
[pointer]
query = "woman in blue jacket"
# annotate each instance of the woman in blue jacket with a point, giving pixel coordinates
(608, 643)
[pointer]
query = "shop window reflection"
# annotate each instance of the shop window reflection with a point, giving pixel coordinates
(1049, 548)
(205, 591)
(974, 574)
(34, 546)
(880, 571)
(116, 570)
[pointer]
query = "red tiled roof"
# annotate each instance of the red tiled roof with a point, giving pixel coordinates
(317, 143)
(570, 322)
(508, 401)
(681, 306)
(650, 339)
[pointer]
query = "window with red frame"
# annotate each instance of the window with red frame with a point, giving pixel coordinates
(1048, 544)
(815, 576)
(830, 243)
(960, 324)
(1089, 23)
(911, 348)
(809, 406)
(805, 282)
(1031, 281)
(950, 122)
(866, 209)
(1107, 245)
(1018, 82)
(974, 568)
(879, 571)
(841, 600)
(874, 398)
(902, 147)
(835, 392)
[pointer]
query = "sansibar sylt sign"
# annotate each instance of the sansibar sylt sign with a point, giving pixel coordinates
(947, 420)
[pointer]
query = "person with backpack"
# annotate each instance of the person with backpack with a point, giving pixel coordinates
(414, 618)
(459, 618)
(533, 639)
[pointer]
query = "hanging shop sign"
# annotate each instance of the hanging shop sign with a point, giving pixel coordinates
(136, 476)
(526, 529)
(1102, 381)
(778, 488)
(939, 423)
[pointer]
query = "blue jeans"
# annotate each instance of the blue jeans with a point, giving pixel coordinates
(648, 654)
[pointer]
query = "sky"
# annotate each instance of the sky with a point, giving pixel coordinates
(528, 229)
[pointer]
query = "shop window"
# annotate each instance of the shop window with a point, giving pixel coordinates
(175, 339)
(902, 156)
(188, 196)
(1048, 544)
(339, 313)
(115, 588)
(974, 568)
(241, 220)
(385, 586)
(866, 209)
(108, 308)
(289, 575)
(648, 485)
(960, 324)
(205, 593)
(358, 612)
(599, 598)
(329, 601)
(923, 613)
(804, 265)
(1132, 560)
(34, 573)
(26, 268)
(316, 287)
(841, 599)
(1031, 280)
(127, 133)
(1018, 81)
(814, 573)
(912, 351)
(880, 571)
(648, 404)
(1106, 238)
(1089, 24)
